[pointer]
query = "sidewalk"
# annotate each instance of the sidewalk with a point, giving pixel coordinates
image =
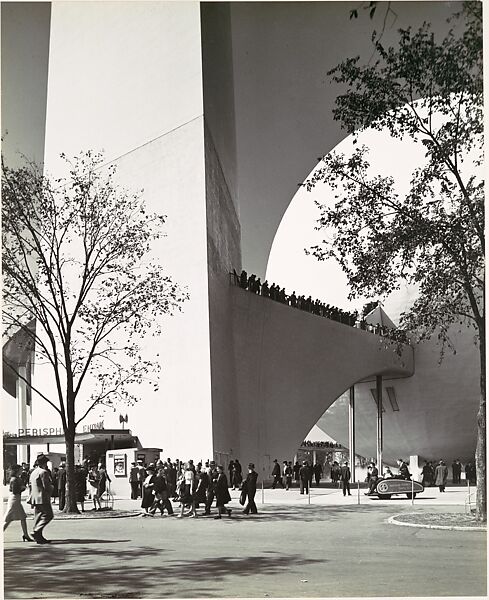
(322, 496)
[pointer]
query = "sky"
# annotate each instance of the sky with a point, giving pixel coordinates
(291, 267)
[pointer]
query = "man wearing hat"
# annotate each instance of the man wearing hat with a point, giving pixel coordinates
(141, 476)
(304, 476)
(40, 498)
(134, 481)
(250, 487)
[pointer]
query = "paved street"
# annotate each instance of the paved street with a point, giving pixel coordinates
(332, 547)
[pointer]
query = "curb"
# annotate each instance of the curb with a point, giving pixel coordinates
(393, 521)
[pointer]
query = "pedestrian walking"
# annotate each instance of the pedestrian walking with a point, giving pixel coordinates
(335, 472)
(237, 474)
(250, 489)
(297, 468)
(102, 482)
(345, 479)
(15, 510)
(93, 483)
(277, 475)
(202, 485)
(222, 493)
(427, 475)
(40, 498)
(441, 476)
(211, 490)
(80, 486)
(187, 489)
(62, 485)
(160, 490)
(54, 480)
(141, 476)
(148, 490)
(456, 471)
(134, 481)
(318, 473)
(288, 473)
(304, 477)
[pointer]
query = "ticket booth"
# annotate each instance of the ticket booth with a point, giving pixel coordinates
(118, 463)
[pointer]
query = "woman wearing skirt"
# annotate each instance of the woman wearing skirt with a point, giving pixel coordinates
(15, 510)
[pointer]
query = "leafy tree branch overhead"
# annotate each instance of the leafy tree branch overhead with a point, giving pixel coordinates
(76, 258)
(428, 91)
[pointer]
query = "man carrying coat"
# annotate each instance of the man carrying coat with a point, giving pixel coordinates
(40, 498)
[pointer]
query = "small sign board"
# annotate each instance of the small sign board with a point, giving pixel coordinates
(120, 465)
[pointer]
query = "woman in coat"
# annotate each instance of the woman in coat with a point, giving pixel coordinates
(15, 510)
(203, 483)
(160, 489)
(441, 475)
(222, 492)
(148, 490)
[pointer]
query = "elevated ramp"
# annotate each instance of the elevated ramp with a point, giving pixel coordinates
(291, 365)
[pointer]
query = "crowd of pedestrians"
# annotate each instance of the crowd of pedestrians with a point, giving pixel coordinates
(253, 284)
(437, 475)
(193, 486)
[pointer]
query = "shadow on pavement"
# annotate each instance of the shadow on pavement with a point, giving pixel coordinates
(121, 573)
(307, 513)
(86, 541)
(420, 499)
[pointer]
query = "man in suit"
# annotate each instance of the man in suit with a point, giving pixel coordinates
(345, 479)
(304, 476)
(134, 481)
(211, 492)
(62, 485)
(40, 498)
(277, 475)
(456, 471)
(250, 486)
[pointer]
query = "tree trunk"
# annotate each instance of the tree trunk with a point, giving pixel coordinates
(480, 453)
(70, 506)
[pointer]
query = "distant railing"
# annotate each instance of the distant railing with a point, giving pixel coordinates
(316, 307)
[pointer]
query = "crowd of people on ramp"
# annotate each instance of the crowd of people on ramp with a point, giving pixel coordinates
(253, 284)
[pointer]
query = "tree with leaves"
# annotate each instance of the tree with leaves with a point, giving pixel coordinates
(430, 92)
(76, 264)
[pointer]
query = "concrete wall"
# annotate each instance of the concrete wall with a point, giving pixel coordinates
(25, 54)
(218, 88)
(223, 255)
(292, 366)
